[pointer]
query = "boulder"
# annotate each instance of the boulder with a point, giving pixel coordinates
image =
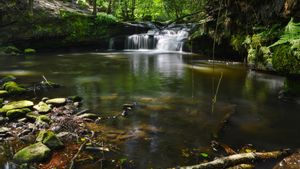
(34, 153)
(42, 107)
(56, 101)
(4, 130)
(43, 119)
(17, 113)
(17, 105)
(49, 139)
(13, 88)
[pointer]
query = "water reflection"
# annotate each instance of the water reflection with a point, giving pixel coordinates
(168, 65)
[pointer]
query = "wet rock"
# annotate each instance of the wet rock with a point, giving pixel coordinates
(89, 116)
(7, 79)
(49, 139)
(13, 88)
(1, 101)
(32, 115)
(24, 132)
(290, 162)
(17, 113)
(42, 107)
(4, 130)
(56, 101)
(3, 93)
(17, 105)
(33, 153)
(42, 120)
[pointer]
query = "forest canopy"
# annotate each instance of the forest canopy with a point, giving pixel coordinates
(145, 10)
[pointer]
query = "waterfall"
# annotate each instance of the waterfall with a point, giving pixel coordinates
(169, 39)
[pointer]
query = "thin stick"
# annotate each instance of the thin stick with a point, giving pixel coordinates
(77, 154)
(214, 100)
(46, 80)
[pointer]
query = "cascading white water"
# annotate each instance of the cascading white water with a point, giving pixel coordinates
(166, 40)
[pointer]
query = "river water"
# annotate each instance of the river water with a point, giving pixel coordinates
(172, 93)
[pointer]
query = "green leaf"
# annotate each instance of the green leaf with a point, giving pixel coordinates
(205, 155)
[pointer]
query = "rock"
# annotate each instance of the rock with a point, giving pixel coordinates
(7, 79)
(43, 119)
(56, 101)
(4, 130)
(1, 101)
(13, 88)
(32, 115)
(290, 162)
(3, 93)
(89, 116)
(49, 139)
(34, 153)
(29, 51)
(17, 105)
(17, 113)
(42, 107)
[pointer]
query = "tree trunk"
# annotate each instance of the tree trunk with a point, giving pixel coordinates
(95, 7)
(30, 4)
(132, 9)
(109, 7)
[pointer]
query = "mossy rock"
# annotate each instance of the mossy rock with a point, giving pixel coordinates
(29, 51)
(13, 88)
(89, 116)
(17, 113)
(42, 107)
(32, 116)
(7, 79)
(57, 101)
(3, 93)
(1, 101)
(34, 153)
(49, 139)
(42, 119)
(17, 105)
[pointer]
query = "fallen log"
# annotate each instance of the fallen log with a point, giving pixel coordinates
(236, 159)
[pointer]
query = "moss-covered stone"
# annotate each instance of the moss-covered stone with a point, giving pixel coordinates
(29, 51)
(13, 88)
(17, 105)
(49, 139)
(17, 113)
(3, 93)
(42, 119)
(7, 79)
(56, 101)
(33, 153)
(42, 107)
(32, 115)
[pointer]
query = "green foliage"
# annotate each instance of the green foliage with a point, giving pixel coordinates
(103, 18)
(284, 59)
(9, 50)
(237, 42)
(291, 33)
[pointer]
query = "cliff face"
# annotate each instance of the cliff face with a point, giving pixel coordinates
(247, 29)
(55, 24)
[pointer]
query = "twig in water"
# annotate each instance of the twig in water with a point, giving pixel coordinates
(46, 80)
(214, 100)
(76, 155)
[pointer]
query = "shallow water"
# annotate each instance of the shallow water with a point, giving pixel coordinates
(173, 93)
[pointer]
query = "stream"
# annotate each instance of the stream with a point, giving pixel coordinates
(172, 92)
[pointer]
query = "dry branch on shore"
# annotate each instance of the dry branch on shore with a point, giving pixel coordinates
(236, 159)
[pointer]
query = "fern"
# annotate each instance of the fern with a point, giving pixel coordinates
(291, 33)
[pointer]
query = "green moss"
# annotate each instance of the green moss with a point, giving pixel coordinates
(17, 113)
(49, 139)
(284, 59)
(43, 119)
(9, 50)
(17, 105)
(13, 88)
(33, 153)
(29, 51)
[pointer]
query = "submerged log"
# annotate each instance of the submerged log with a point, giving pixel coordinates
(236, 159)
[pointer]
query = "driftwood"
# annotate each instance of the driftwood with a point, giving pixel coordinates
(243, 158)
